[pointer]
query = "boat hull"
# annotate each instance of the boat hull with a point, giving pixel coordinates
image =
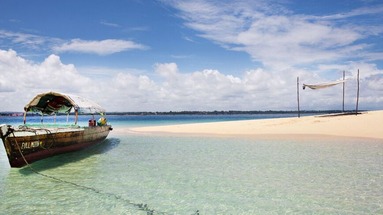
(29, 145)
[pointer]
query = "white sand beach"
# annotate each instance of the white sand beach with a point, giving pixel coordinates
(365, 125)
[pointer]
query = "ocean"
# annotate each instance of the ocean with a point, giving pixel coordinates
(170, 174)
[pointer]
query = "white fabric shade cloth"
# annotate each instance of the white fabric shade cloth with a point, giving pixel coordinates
(322, 85)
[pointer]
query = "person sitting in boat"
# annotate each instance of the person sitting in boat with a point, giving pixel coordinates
(92, 122)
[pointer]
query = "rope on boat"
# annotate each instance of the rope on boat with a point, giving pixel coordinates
(143, 207)
(34, 130)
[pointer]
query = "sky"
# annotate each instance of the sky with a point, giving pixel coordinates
(193, 55)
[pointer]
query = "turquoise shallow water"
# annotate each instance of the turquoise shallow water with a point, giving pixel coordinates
(135, 174)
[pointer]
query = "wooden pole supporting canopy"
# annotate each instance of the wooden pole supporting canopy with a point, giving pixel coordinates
(299, 114)
(357, 95)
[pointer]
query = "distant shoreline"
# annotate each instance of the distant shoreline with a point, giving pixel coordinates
(222, 112)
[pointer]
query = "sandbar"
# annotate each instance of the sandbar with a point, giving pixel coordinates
(365, 125)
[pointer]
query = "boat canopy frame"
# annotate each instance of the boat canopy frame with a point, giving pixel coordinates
(51, 103)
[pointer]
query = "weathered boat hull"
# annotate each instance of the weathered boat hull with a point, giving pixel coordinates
(25, 146)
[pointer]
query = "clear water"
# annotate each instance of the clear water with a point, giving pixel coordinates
(137, 174)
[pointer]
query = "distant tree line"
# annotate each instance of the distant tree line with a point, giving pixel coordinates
(216, 112)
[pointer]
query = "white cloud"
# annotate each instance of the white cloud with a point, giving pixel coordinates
(166, 69)
(291, 41)
(357, 12)
(167, 88)
(102, 47)
(276, 37)
(22, 79)
(29, 41)
(50, 74)
(109, 24)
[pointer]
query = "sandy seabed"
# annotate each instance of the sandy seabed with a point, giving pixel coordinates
(364, 125)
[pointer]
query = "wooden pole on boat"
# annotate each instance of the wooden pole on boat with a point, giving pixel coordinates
(357, 95)
(299, 114)
(343, 91)
(76, 115)
(25, 117)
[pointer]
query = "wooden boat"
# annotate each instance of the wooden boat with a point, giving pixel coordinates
(27, 143)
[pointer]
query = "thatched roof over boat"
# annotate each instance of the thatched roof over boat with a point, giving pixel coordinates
(53, 102)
